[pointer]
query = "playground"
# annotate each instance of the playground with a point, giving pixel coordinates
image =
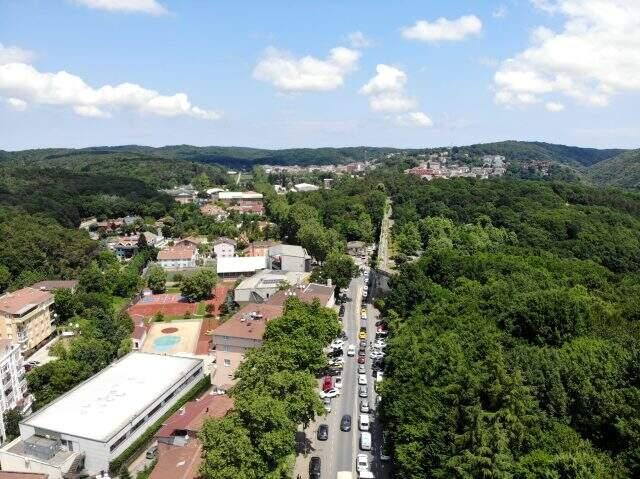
(173, 338)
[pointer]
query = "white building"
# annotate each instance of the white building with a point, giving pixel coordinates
(240, 266)
(179, 256)
(227, 196)
(287, 257)
(305, 187)
(224, 247)
(14, 392)
(98, 420)
(264, 284)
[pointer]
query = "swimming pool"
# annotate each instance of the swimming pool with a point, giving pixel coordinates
(164, 343)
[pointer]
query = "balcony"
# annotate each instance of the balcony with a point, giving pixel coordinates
(22, 338)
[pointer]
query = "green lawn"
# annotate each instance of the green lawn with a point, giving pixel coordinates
(119, 303)
(202, 308)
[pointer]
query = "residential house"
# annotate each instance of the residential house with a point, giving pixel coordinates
(178, 256)
(325, 294)
(264, 284)
(356, 248)
(54, 285)
(25, 317)
(14, 393)
(259, 248)
(211, 209)
(233, 338)
(224, 247)
(285, 257)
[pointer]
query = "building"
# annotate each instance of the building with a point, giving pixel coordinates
(286, 257)
(264, 284)
(22, 475)
(259, 248)
(25, 317)
(233, 338)
(240, 266)
(182, 194)
(240, 197)
(55, 285)
(305, 187)
(14, 393)
(325, 294)
(178, 256)
(98, 420)
(357, 248)
(211, 209)
(125, 247)
(224, 247)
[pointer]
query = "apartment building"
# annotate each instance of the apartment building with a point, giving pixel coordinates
(14, 393)
(25, 317)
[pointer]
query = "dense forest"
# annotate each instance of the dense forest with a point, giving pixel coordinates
(622, 170)
(516, 343)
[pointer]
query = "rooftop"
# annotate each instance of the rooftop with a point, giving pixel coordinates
(305, 294)
(288, 250)
(22, 475)
(55, 284)
(268, 278)
(224, 239)
(178, 462)
(193, 414)
(99, 407)
(245, 195)
(184, 251)
(249, 322)
(237, 264)
(23, 300)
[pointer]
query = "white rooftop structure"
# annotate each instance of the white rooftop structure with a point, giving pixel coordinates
(239, 265)
(102, 405)
(305, 187)
(259, 287)
(239, 195)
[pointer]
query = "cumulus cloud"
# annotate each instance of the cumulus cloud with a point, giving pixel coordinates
(595, 55)
(443, 29)
(387, 94)
(12, 54)
(126, 6)
(359, 40)
(500, 12)
(17, 104)
(554, 106)
(290, 74)
(25, 83)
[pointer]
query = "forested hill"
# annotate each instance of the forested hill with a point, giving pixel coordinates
(622, 170)
(516, 334)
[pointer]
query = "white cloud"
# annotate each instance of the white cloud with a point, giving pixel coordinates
(500, 12)
(595, 55)
(308, 73)
(17, 104)
(415, 118)
(11, 54)
(554, 106)
(443, 29)
(25, 83)
(387, 94)
(359, 40)
(126, 6)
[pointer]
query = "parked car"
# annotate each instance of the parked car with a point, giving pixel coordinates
(363, 343)
(334, 371)
(364, 406)
(361, 352)
(152, 452)
(363, 392)
(365, 441)
(362, 369)
(327, 383)
(376, 354)
(362, 379)
(337, 383)
(335, 353)
(337, 343)
(351, 350)
(362, 463)
(315, 468)
(327, 404)
(345, 423)
(364, 422)
(330, 393)
(323, 432)
(361, 359)
(384, 449)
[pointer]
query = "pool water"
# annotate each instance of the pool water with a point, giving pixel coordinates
(164, 343)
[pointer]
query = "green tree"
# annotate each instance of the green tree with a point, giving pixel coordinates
(338, 267)
(201, 182)
(199, 285)
(65, 304)
(93, 280)
(11, 419)
(157, 279)
(5, 278)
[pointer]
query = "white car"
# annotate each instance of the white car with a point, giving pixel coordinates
(362, 463)
(327, 404)
(337, 382)
(362, 369)
(329, 393)
(379, 344)
(337, 344)
(362, 379)
(338, 360)
(351, 350)
(376, 355)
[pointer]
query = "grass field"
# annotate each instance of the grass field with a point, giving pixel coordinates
(119, 303)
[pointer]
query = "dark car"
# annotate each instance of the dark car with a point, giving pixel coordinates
(342, 309)
(345, 423)
(361, 359)
(314, 468)
(336, 353)
(323, 432)
(334, 371)
(361, 353)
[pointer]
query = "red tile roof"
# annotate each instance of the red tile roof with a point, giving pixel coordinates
(177, 252)
(240, 325)
(22, 300)
(193, 414)
(178, 462)
(22, 475)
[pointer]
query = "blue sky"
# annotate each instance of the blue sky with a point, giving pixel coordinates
(472, 71)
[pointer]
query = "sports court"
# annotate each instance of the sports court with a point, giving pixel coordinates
(173, 338)
(168, 304)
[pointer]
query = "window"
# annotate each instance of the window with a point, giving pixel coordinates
(227, 362)
(227, 348)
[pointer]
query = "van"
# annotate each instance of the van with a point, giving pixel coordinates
(364, 422)
(365, 441)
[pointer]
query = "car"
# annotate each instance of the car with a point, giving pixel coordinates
(376, 355)
(315, 468)
(343, 336)
(345, 423)
(362, 369)
(338, 382)
(363, 392)
(351, 350)
(362, 335)
(384, 449)
(361, 359)
(152, 452)
(342, 308)
(362, 463)
(334, 371)
(363, 343)
(364, 422)
(365, 441)
(323, 432)
(362, 379)
(330, 393)
(335, 353)
(364, 406)
(364, 294)
(337, 343)
(327, 383)
(361, 353)
(338, 366)
(339, 360)
(327, 404)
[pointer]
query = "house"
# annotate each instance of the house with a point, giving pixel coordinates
(139, 333)
(356, 248)
(264, 284)
(240, 197)
(178, 256)
(211, 209)
(183, 194)
(325, 294)
(233, 338)
(96, 421)
(305, 187)
(285, 257)
(259, 248)
(25, 317)
(55, 285)
(255, 208)
(224, 247)
(14, 393)
(236, 266)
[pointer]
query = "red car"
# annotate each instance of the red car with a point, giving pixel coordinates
(327, 383)
(361, 359)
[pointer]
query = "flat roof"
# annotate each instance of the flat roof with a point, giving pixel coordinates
(270, 278)
(241, 264)
(248, 323)
(102, 405)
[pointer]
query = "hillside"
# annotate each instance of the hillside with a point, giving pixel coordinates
(621, 171)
